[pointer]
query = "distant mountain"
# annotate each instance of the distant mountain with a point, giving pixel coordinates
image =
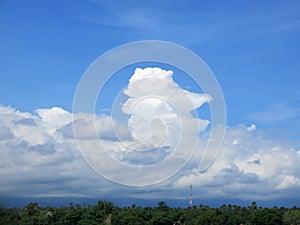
(121, 202)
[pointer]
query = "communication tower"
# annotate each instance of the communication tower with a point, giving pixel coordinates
(191, 196)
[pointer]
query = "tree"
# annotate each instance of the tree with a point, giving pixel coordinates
(292, 217)
(162, 205)
(31, 209)
(267, 216)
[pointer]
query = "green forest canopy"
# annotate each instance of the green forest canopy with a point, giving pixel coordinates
(105, 212)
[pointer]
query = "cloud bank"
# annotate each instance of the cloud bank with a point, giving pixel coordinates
(40, 157)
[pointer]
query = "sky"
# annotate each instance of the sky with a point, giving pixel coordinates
(252, 48)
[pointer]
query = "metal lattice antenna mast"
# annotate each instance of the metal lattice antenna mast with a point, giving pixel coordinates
(191, 196)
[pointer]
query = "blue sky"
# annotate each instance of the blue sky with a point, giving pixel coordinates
(252, 47)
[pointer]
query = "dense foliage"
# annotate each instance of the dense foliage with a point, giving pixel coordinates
(107, 213)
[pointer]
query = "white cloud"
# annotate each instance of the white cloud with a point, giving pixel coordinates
(157, 102)
(248, 166)
(39, 155)
(149, 72)
(91, 128)
(288, 181)
(5, 133)
(54, 117)
(251, 128)
(162, 127)
(34, 154)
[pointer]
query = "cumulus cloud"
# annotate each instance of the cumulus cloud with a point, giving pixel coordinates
(159, 110)
(160, 128)
(35, 156)
(5, 133)
(39, 155)
(54, 117)
(251, 128)
(90, 128)
(249, 166)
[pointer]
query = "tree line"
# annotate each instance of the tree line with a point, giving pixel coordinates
(106, 213)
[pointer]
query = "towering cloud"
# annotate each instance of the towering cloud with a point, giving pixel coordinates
(39, 155)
